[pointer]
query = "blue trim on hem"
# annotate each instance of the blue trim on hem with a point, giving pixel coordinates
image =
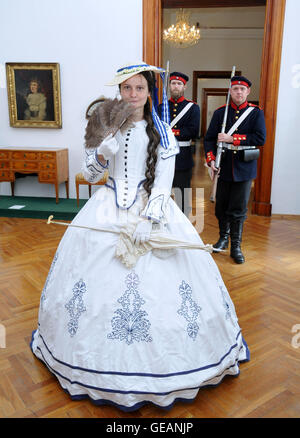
(139, 405)
(114, 391)
(100, 402)
(180, 373)
(247, 351)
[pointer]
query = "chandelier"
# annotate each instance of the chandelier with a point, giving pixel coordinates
(182, 34)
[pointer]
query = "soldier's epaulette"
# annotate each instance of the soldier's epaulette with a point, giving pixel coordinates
(256, 106)
(191, 101)
(221, 106)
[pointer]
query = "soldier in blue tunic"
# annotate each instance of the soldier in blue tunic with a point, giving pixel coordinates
(185, 120)
(236, 172)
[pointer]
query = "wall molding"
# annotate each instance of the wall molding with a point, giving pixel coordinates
(231, 34)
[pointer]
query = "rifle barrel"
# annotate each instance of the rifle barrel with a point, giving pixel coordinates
(219, 150)
(220, 144)
(167, 77)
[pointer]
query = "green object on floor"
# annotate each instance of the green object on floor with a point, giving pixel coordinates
(39, 208)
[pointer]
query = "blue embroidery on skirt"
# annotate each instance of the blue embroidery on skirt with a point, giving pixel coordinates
(225, 304)
(130, 323)
(222, 289)
(43, 295)
(76, 306)
(189, 309)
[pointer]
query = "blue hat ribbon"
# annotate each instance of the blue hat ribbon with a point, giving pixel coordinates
(165, 115)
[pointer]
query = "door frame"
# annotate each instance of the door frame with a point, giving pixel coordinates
(206, 92)
(269, 83)
(209, 74)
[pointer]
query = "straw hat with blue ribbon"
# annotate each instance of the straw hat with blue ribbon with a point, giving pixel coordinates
(129, 70)
(135, 68)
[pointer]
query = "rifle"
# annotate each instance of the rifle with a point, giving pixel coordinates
(166, 82)
(220, 144)
(165, 114)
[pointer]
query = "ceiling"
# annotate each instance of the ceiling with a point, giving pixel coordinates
(211, 3)
(247, 19)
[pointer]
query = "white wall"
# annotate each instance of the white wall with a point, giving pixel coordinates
(213, 102)
(90, 39)
(285, 196)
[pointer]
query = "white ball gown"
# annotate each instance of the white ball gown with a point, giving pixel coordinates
(153, 332)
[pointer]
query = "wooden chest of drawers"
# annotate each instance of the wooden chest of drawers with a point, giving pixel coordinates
(50, 164)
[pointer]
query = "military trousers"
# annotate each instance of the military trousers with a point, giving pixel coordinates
(232, 200)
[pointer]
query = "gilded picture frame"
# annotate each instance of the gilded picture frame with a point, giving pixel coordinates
(34, 98)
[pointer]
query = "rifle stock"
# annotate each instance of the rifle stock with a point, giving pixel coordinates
(214, 188)
(220, 144)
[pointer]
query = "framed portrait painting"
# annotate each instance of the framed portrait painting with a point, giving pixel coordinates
(34, 95)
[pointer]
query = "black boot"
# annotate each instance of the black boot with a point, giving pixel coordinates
(223, 241)
(236, 230)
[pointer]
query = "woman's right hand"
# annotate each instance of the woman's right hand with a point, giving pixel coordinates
(142, 232)
(108, 148)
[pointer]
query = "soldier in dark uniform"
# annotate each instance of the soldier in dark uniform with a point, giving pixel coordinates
(185, 129)
(236, 174)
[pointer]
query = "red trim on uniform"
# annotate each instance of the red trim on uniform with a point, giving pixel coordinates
(256, 106)
(181, 99)
(240, 83)
(235, 107)
(191, 101)
(210, 157)
(244, 105)
(177, 78)
(237, 138)
(236, 141)
(176, 132)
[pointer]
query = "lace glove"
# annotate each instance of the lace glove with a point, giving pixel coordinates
(108, 148)
(142, 232)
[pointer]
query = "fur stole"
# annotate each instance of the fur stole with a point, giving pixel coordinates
(108, 117)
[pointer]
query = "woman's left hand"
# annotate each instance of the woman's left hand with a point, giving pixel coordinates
(142, 232)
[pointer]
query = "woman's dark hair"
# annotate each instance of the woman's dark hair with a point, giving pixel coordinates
(154, 137)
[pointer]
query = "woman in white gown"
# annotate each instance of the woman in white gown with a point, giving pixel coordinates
(151, 332)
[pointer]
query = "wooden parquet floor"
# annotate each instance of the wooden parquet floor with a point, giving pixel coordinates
(265, 291)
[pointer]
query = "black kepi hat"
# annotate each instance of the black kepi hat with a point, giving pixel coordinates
(240, 80)
(179, 77)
